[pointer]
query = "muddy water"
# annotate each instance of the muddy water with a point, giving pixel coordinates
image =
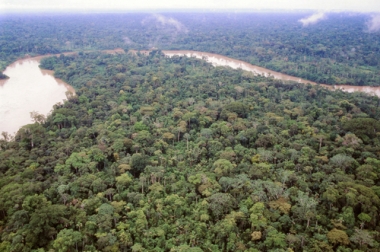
(32, 89)
(351, 89)
(28, 89)
(219, 60)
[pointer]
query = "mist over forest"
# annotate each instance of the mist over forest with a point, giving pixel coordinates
(158, 153)
(329, 48)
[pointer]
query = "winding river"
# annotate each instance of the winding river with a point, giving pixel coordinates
(220, 60)
(31, 89)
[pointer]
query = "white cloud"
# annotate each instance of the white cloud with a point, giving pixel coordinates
(166, 22)
(313, 19)
(318, 5)
(170, 22)
(374, 24)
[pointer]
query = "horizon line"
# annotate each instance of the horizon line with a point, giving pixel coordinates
(190, 10)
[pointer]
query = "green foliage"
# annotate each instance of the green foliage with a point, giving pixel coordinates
(139, 126)
(138, 163)
(257, 218)
(336, 236)
(362, 237)
(365, 128)
(275, 239)
(199, 159)
(67, 239)
(222, 167)
(338, 50)
(237, 107)
(221, 203)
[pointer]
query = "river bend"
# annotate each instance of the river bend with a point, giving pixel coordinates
(31, 89)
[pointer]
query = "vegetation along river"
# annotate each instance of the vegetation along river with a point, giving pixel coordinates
(220, 60)
(31, 89)
(28, 89)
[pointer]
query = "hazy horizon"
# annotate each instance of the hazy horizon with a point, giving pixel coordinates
(11, 6)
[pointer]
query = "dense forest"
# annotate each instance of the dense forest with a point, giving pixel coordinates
(172, 154)
(337, 50)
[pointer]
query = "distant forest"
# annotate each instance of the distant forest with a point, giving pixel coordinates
(337, 50)
(172, 154)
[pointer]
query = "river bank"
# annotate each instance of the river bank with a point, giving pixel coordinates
(40, 90)
(28, 89)
(220, 60)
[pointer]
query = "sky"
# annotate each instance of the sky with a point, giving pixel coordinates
(133, 5)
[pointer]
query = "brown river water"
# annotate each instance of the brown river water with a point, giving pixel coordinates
(220, 60)
(30, 88)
